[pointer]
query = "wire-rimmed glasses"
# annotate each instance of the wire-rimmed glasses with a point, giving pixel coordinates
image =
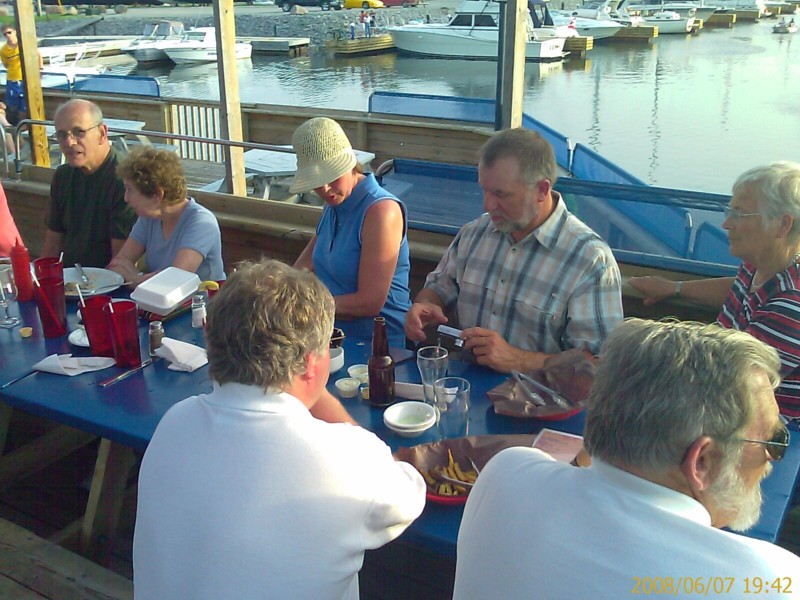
(8, 293)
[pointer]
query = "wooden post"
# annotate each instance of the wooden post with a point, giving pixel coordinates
(230, 107)
(513, 63)
(29, 55)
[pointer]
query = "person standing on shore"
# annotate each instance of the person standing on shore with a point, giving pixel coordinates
(16, 102)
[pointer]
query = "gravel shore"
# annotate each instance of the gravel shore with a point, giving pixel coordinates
(264, 20)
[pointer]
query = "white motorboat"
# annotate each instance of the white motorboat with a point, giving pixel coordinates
(200, 45)
(698, 10)
(598, 29)
(669, 21)
(158, 36)
(472, 33)
(608, 10)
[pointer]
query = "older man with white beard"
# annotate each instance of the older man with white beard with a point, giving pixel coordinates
(682, 425)
(527, 279)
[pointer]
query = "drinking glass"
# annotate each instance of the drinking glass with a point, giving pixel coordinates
(432, 364)
(452, 406)
(8, 293)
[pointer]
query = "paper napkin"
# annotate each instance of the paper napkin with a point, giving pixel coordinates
(182, 356)
(64, 364)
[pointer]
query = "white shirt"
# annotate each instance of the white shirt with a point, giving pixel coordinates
(536, 528)
(244, 494)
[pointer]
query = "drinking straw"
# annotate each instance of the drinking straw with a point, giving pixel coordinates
(61, 257)
(80, 296)
(45, 300)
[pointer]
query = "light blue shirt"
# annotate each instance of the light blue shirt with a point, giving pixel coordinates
(197, 229)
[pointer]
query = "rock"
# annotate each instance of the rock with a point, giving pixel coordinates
(54, 10)
(120, 9)
(299, 10)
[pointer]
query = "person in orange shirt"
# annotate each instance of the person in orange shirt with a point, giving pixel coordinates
(17, 103)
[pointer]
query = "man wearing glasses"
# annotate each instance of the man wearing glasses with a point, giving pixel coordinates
(682, 426)
(87, 218)
(16, 102)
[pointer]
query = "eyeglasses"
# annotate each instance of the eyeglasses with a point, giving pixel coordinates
(77, 133)
(735, 214)
(776, 447)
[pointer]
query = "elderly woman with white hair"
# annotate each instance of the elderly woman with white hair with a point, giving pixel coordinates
(763, 225)
(360, 250)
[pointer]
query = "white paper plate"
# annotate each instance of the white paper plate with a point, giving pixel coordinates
(78, 338)
(102, 280)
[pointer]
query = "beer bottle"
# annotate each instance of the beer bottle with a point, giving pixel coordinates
(381, 367)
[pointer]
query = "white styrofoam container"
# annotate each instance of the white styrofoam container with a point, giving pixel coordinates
(163, 292)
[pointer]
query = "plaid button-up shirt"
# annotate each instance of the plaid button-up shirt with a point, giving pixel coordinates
(558, 288)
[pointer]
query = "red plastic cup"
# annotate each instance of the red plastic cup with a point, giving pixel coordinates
(48, 266)
(123, 323)
(52, 306)
(96, 324)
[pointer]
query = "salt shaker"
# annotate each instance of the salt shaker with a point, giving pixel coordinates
(156, 335)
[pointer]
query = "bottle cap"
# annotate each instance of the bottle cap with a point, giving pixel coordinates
(26, 332)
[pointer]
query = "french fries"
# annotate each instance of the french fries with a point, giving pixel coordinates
(452, 471)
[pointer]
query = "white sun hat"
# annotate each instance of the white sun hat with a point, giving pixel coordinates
(323, 154)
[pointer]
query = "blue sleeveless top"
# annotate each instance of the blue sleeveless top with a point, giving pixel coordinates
(337, 256)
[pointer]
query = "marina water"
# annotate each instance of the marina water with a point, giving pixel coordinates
(689, 112)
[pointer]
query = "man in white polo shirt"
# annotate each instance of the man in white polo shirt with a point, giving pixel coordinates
(682, 426)
(266, 488)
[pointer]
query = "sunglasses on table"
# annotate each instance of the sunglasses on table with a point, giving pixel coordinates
(777, 445)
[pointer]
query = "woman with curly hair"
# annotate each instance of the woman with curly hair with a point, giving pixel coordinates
(172, 229)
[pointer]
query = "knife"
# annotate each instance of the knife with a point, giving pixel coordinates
(128, 373)
(85, 283)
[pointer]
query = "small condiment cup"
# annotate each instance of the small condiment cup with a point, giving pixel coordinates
(360, 372)
(347, 387)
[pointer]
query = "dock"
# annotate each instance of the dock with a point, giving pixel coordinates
(644, 33)
(727, 20)
(361, 45)
(579, 44)
(748, 15)
(278, 45)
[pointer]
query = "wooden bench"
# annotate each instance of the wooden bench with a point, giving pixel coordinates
(33, 568)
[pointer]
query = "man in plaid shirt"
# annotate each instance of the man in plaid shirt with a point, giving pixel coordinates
(527, 279)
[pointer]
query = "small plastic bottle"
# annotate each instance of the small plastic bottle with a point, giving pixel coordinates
(21, 265)
(156, 335)
(198, 311)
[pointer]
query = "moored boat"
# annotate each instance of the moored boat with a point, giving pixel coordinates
(200, 45)
(472, 33)
(158, 35)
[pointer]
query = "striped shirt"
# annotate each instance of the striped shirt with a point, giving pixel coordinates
(771, 314)
(556, 289)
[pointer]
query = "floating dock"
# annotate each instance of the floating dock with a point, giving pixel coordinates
(644, 33)
(361, 45)
(278, 45)
(721, 20)
(579, 44)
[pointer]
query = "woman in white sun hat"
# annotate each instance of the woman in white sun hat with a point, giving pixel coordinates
(360, 250)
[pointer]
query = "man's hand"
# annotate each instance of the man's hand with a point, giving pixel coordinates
(491, 350)
(419, 316)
